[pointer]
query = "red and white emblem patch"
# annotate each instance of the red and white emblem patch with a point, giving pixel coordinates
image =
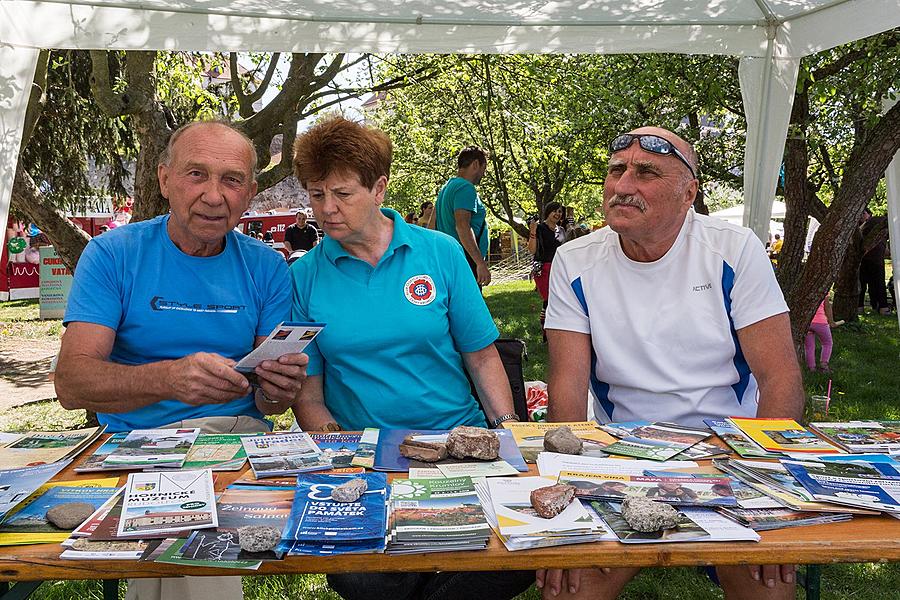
(419, 289)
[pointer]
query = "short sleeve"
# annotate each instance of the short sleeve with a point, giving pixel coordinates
(566, 308)
(96, 293)
(755, 294)
(276, 305)
(466, 198)
(299, 278)
(471, 325)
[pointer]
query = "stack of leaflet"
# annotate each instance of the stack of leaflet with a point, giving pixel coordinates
(784, 436)
(737, 440)
(18, 484)
(866, 484)
(278, 454)
(773, 480)
(654, 441)
(436, 515)
(507, 503)
(319, 526)
(144, 448)
(216, 451)
(766, 519)
(44, 447)
(862, 436)
(680, 489)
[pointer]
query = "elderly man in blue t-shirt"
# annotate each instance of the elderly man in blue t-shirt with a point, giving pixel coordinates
(160, 311)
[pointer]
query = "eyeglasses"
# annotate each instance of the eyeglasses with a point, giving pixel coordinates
(650, 143)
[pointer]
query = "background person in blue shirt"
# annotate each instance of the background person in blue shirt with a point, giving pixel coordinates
(461, 214)
(403, 317)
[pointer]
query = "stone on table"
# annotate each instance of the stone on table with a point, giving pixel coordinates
(424, 451)
(69, 515)
(647, 516)
(350, 491)
(258, 538)
(551, 500)
(562, 441)
(473, 442)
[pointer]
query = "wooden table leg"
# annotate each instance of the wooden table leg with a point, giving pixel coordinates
(110, 589)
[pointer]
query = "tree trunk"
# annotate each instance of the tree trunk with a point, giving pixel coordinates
(846, 286)
(68, 240)
(796, 195)
(154, 134)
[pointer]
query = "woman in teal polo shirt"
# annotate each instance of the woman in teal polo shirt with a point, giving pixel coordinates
(404, 318)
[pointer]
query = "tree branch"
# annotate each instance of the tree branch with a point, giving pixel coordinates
(37, 99)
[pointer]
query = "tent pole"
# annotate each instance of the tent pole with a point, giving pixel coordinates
(892, 179)
(17, 67)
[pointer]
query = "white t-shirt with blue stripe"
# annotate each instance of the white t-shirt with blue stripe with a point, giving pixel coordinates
(664, 346)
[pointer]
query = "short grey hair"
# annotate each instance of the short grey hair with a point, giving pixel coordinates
(165, 158)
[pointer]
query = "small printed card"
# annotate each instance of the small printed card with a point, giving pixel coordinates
(287, 338)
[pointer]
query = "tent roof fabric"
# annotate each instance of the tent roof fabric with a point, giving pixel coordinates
(738, 27)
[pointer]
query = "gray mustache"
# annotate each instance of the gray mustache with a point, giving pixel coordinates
(627, 201)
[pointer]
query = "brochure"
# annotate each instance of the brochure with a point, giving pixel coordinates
(287, 338)
(847, 483)
(719, 527)
(338, 447)
(91, 524)
(782, 435)
(173, 555)
(862, 436)
(388, 458)
(315, 517)
(497, 468)
(17, 484)
(530, 437)
(365, 452)
(166, 502)
(746, 496)
(94, 462)
(765, 519)
(737, 440)
(152, 448)
(27, 523)
(44, 447)
(296, 548)
(657, 441)
(429, 515)
(683, 491)
(284, 454)
(700, 451)
(511, 503)
(686, 530)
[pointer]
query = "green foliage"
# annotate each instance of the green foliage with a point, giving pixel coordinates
(72, 133)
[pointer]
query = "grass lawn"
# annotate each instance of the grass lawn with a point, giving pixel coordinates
(865, 384)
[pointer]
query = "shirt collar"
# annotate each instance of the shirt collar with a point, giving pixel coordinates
(402, 236)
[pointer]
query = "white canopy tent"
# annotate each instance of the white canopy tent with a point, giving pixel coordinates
(770, 36)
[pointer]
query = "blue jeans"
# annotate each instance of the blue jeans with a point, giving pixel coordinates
(450, 585)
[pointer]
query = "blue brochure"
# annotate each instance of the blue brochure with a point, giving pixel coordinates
(388, 457)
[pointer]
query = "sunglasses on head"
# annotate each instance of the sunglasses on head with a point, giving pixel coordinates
(650, 143)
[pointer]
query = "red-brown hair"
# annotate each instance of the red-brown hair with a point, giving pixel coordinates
(336, 145)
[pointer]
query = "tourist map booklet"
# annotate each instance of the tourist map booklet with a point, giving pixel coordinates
(27, 523)
(746, 496)
(388, 457)
(286, 338)
(338, 447)
(782, 435)
(277, 454)
(847, 483)
(511, 502)
(765, 519)
(530, 437)
(17, 484)
(657, 441)
(737, 440)
(551, 464)
(496, 468)
(683, 491)
(165, 502)
(44, 447)
(94, 462)
(426, 511)
(862, 436)
(217, 451)
(700, 451)
(152, 448)
(315, 517)
(365, 452)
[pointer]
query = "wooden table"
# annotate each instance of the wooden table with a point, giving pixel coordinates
(864, 539)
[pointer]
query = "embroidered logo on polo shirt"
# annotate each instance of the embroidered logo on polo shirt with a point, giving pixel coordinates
(419, 289)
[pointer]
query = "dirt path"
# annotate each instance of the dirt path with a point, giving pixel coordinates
(24, 366)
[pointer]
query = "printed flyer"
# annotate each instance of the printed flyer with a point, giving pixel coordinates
(168, 502)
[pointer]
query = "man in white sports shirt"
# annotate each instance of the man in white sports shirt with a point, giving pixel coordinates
(667, 315)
